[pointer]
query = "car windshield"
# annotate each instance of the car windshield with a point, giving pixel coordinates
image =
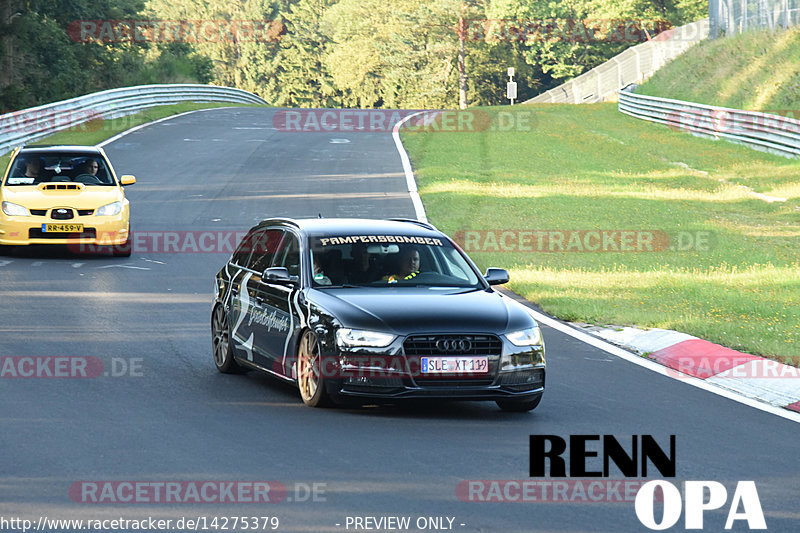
(389, 260)
(33, 169)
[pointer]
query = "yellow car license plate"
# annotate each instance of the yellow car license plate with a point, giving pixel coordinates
(62, 228)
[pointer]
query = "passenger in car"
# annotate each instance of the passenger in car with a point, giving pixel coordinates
(359, 268)
(334, 266)
(319, 275)
(33, 167)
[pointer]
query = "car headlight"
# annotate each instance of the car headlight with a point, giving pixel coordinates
(348, 338)
(14, 210)
(109, 210)
(526, 337)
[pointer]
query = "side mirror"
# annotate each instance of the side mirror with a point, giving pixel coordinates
(496, 276)
(127, 179)
(279, 275)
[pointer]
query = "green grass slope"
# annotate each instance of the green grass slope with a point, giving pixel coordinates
(589, 168)
(757, 70)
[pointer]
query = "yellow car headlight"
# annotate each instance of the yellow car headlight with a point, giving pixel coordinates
(14, 210)
(109, 210)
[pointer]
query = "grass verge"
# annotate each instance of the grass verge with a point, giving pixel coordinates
(757, 70)
(591, 168)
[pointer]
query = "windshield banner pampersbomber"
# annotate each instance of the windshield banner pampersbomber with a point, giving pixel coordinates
(380, 239)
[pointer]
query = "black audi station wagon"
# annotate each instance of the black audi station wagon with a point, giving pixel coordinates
(371, 311)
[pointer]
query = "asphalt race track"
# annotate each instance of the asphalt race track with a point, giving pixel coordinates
(170, 416)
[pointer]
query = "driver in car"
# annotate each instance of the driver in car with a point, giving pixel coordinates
(408, 267)
(90, 167)
(87, 172)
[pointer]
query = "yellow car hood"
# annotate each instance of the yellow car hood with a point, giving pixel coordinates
(42, 197)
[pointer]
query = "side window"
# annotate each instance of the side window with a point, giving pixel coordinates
(265, 244)
(242, 253)
(289, 254)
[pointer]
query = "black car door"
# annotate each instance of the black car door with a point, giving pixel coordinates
(273, 311)
(237, 297)
(245, 329)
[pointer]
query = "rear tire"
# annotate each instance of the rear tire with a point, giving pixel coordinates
(310, 380)
(221, 343)
(519, 406)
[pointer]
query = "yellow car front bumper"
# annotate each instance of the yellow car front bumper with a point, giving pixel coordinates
(97, 230)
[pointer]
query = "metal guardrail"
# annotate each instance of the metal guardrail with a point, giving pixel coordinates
(634, 65)
(21, 127)
(762, 131)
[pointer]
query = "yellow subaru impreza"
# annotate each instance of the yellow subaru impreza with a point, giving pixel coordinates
(64, 195)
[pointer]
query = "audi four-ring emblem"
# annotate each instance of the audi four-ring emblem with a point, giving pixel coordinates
(454, 345)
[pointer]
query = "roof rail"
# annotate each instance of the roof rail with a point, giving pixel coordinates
(414, 221)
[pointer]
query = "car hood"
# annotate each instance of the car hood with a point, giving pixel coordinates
(423, 310)
(91, 197)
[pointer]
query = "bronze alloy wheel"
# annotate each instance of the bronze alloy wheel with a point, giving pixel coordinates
(309, 377)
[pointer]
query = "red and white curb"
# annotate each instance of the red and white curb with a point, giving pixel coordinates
(749, 375)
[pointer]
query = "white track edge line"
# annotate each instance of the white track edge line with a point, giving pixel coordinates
(411, 183)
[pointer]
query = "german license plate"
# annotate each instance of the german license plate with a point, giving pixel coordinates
(455, 365)
(62, 228)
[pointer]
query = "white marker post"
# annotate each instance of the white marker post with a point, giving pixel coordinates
(511, 86)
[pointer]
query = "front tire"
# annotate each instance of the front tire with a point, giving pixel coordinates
(519, 406)
(221, 343)
(310, 380)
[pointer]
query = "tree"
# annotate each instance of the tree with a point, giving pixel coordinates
(559, 37)
(301, 69)
(43, 60)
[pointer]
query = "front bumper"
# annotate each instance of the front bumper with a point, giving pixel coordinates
(517, 372)
(105, 230)
(461, 391)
